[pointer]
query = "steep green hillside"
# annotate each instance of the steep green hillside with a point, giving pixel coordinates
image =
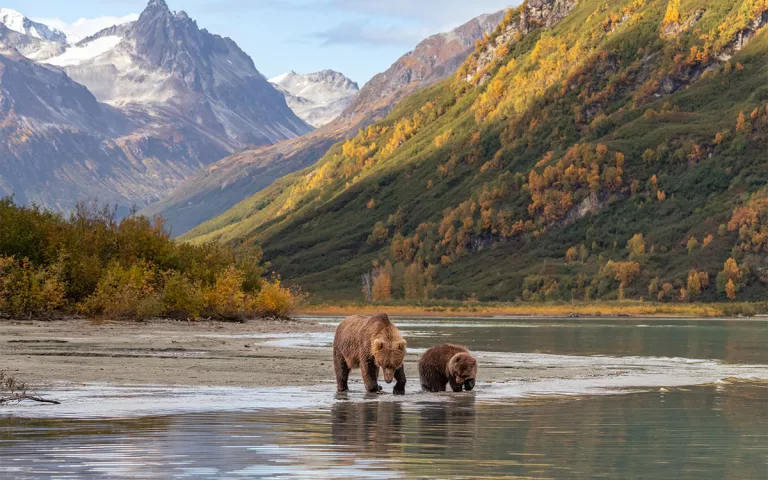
(588, 149)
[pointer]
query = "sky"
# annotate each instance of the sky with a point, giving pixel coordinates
(356, 37)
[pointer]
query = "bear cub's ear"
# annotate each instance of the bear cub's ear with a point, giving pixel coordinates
(400, 344)
(378, 344)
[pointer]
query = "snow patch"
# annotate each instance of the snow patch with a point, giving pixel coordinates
(280, 78)
(82, 53)
(13, 20)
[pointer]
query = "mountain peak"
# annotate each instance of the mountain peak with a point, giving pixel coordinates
(17, 22)
(158, 4)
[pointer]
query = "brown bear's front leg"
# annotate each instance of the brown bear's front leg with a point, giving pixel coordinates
(370, 372)
(341, 369)
(400, 378)
(454, 385)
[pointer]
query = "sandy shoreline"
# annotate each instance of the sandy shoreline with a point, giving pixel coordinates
(211, 354)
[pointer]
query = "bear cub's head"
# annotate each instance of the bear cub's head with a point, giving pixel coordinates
(463, 368)
(389, 355)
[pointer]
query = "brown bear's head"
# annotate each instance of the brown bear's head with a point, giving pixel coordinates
(389, 355)
(463, 367)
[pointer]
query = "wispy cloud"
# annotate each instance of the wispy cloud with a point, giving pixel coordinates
(86, 27)
(376, 22)
(363, 33)
(429, 12)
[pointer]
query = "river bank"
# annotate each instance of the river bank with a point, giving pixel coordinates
(597, 310)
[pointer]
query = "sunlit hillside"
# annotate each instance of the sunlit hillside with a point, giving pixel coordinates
(589, 149)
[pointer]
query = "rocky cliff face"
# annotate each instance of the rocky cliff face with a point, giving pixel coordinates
(530, 15)
(235, 178)
(317, 98)
(126, 115)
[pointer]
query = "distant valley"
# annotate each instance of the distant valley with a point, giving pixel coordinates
(235, 178)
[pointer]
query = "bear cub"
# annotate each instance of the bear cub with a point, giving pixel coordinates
(447, 364)
(369, 343)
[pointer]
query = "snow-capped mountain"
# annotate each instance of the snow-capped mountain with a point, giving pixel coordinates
(127, 114)
(166, 64)
(317, 98)
(17, 22)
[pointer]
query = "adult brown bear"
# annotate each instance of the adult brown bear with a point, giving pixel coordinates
(369, 343)
(452, 364)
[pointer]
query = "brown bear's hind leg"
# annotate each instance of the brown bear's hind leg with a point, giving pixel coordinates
(400, 378)
(370, 372)
(341, 369)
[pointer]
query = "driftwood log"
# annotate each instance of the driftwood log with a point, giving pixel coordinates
(12, 392)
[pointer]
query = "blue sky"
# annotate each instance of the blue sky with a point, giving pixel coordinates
(356, 37)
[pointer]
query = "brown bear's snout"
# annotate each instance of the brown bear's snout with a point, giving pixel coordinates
(389, 375)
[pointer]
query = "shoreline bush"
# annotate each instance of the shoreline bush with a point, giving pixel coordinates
(94, 264)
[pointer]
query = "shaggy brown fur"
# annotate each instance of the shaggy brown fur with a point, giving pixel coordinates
(451, 364)
(369, 343)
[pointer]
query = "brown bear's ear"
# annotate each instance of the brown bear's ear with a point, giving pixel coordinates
(378, 344)
(400, 344)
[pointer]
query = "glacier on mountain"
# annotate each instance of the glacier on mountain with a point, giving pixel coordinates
(317, 98)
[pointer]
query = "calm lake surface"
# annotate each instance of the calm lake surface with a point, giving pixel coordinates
(669, 399)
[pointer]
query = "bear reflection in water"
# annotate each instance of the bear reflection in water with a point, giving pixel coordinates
(446, 425)
(374, 426)
(379, 427)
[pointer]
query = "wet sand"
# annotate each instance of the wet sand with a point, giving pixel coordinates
(159, 352)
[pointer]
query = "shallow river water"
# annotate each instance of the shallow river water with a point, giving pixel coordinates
(657, 399)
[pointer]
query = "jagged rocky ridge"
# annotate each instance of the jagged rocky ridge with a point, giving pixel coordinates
(227, 182)
(130, 112)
